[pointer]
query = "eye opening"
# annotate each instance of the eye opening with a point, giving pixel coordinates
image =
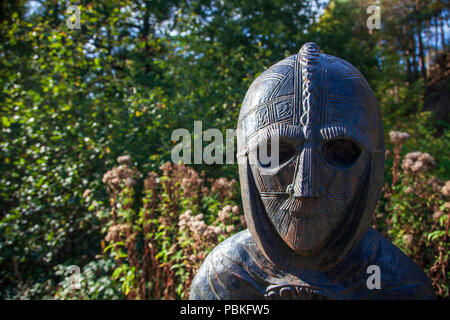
(341, 153)
(286, 153)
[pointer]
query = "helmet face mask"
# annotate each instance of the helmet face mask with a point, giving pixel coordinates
(307, 197)
(309, 128)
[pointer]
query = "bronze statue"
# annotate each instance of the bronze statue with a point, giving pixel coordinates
(309, 218)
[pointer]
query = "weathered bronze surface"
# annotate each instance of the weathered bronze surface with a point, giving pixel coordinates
(309, 219)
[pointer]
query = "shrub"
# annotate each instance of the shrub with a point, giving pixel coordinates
(159, 228)
(414, 212)
(159, 236)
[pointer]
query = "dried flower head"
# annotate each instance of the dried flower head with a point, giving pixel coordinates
(173, 249)
(185, 219)
(130, 182)
(199, 217)
(151, 182)
(223, 187)
(243, 221)
(446, 189)
(415, 162)
(166, 168)
(113, 177)
(435, 183)
(164, 221)
(407, 239)
(87, 193)
(115, 231)
(437, 215)
(125, 160)
(398, 137)
(230, 229)
(447, 205)
(222, 216)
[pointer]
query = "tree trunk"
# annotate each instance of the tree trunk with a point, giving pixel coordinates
(442, 31)
(436, 44)
(422, 66)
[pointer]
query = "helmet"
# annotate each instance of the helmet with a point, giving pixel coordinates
(314, 200)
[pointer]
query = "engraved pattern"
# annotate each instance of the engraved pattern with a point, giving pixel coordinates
(262, 117)
(309, 61)
(254, 129)
(283, 110)
(292, 292)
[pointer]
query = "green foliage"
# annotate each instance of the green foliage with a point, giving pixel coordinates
(95, 282)
(72, 101)
(153, 252)
(413, 213)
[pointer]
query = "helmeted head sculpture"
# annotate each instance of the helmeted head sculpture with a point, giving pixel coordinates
(309, 204)
(317, 199)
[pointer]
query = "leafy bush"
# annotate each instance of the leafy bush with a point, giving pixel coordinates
(94, 281)
(156, 242)
(414, 212)
(73, 100)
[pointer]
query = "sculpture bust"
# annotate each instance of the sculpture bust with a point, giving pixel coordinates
(309, 216)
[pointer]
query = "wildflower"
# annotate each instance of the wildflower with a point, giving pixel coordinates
(409, 190)
(114, 232)
(205, 191)
(124, 228)
(407, 164)
(417, 162)
(130, 182)
(223, 187)
(407, 239)
(235, 210)
(437, 215)
(151, 182)
(198, 228)
(398, 137)
(446, 189)
(113, 177)
(125, 160)
(426, 158)
(243, 221)
(230, 229)
(435, 183)
(222, 215)
(166, 168)
(87, 193)
(173, 249)
(164, 221)
(417, 166)
(199, 217)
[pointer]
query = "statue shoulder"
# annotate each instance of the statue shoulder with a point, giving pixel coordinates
(401, 277)
(223, 275)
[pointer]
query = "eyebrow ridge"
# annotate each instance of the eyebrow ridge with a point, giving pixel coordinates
(274, 130)
(344, 130)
